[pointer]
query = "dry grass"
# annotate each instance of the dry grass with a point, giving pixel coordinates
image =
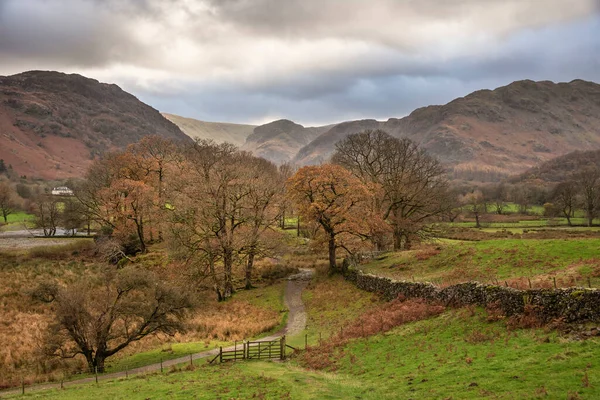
(24, 320)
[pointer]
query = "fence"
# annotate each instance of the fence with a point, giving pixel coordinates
(255, 350)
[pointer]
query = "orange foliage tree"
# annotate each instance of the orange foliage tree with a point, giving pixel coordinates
(337, 201)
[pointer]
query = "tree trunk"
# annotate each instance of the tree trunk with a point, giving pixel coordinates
(477, 224)
(99, 361)
(227, 266)
(249, 266)
(332, 247)
(140, 233)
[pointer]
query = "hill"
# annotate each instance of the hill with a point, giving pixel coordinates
(217, 131)
(560, 168)
(53, 124)
(491, 133)
(279, 141)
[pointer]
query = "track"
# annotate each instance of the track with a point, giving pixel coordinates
(296, 323)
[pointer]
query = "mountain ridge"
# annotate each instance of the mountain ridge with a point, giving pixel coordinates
(52, 124)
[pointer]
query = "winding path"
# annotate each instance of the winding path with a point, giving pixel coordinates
(296, 323)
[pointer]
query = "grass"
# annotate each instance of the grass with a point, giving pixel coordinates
(248, 314)
(458, 354)
(260, 380)
(571, 262)
(330, 304)
(524, 224)
(461, 355)
(16, 220)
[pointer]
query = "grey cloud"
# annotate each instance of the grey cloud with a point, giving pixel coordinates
(67, 32)
(339, 59)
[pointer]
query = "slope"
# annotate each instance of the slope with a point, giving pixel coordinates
(279, 141)
(53, 124)
(218, 131)
(491, 133)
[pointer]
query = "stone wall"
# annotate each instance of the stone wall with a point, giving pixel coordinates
(573, 304)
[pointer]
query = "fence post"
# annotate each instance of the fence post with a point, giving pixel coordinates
(161, 366)
(221, 354)
(320, 339)
(22, 385)
(589, 282)
(126, 372)
(554, 279)
(306, 341)
(282, 347)
(235, 350)
(191, 361)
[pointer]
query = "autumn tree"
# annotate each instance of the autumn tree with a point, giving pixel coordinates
(99, 321)
(413, 186)
(153, 155)
(222, 204)
(564, 197)
(125, 190)
(7, 202)
(262, 208)
(336, 200)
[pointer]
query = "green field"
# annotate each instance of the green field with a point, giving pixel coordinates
(16, 221)
(571, 261)
(458, 354)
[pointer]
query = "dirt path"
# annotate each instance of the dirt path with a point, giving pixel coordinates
(295, 323)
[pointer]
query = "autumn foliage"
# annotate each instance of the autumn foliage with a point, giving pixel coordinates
(339, 203)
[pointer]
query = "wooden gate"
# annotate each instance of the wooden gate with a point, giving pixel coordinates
(255, 350)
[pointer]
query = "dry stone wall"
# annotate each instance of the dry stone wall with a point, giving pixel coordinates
(572, 304)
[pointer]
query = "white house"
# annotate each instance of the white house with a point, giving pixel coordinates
(62, 191)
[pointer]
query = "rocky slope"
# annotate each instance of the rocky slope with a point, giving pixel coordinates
(560, 168)
(218, 131)
(491, 133)
(279, 141)
(53, 124)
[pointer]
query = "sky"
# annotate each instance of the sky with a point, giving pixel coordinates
(312, 61)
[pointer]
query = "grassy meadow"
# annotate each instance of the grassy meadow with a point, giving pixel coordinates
(572, 262)
(358, 345)
(458, 353)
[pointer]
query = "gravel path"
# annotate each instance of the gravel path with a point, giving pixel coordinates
(296, 323)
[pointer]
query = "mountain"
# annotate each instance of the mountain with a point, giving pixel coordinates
(53, 124)
(490, 133)
(218, 131)
(560, 168)
(280, 140)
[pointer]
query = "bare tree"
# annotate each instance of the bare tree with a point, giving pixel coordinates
(97, 322)
(47, 214)
(265, 191)
(475, 204)
(588, 181)
(565, 199)
(413, 184)
(222, 204)
(7, 202)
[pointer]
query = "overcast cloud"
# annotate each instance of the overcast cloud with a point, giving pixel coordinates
(314, 62)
